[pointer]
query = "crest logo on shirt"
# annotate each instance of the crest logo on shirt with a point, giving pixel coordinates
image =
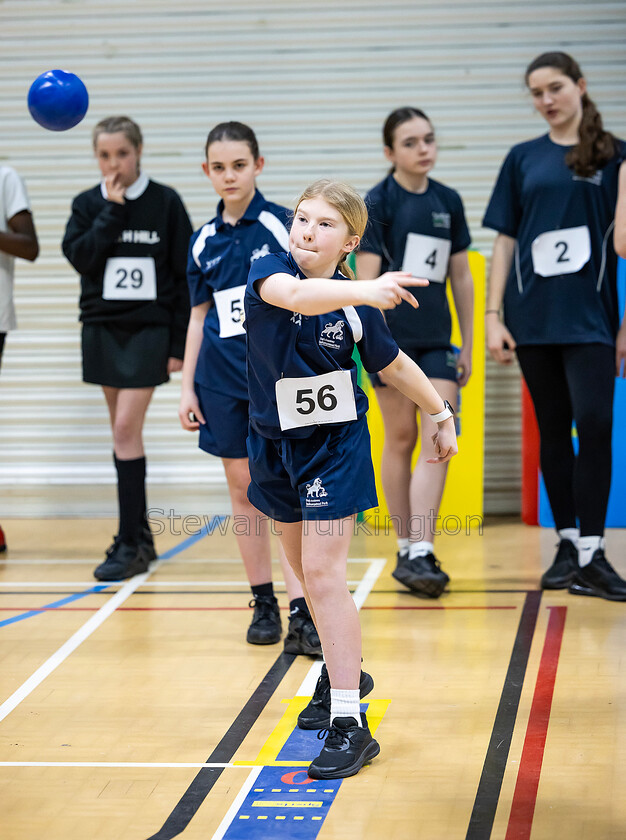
(212, 263)
(315, 493)
(332, 334)
(441, 220)
(263, 251)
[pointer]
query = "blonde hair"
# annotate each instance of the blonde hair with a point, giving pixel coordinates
(113, 125)
(346, 200)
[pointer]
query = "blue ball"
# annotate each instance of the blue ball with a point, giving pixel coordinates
(58, 100)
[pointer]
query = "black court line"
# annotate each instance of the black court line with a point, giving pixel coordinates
(201, 786)
(488, 793)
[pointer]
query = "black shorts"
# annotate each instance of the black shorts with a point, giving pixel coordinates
(436, 362)
(119, 357)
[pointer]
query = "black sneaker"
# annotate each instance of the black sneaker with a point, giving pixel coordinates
(123, 560)
(302, 636)
(600, 579)
(563, 569)
(422, 575)
(147, 541)
(265, 627)
(348, 747)
(316, 715)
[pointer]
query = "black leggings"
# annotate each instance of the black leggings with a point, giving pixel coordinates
(573, 382)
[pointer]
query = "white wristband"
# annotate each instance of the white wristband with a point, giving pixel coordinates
(443, 415)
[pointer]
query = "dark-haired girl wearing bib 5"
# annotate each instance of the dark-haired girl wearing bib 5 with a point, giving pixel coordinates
(554, 271)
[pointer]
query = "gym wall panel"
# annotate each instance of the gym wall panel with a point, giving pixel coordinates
(316, 83)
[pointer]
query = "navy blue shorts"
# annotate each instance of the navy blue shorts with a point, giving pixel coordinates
(226, 428)
(436, 362)
(328, 475)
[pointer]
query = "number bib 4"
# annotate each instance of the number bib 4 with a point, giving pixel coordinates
(230, 312)
(315, 400)
(427, 257)
(129, 278)
(561, 251)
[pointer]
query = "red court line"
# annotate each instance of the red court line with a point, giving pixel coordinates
(525, 795)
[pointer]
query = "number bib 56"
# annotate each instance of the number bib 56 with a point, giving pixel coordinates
(230, 313)
(315, 400)
(427, 257)
(129, 278)
(561, 251)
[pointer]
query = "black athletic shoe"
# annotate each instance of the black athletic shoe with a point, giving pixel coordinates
(302, 636)
(265, 628)
(123, 560)
(563, 569)
(600, 579)
(422, 575)
(316, 715)
(348, 747)
(145, 538)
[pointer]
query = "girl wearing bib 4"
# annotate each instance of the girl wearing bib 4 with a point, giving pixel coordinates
(554, 272)
(128, 237)
(214, 396)
(308, 446)
(418, 224)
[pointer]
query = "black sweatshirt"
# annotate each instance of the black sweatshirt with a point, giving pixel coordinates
(155, 224)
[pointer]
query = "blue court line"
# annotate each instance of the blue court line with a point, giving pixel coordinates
(206, 530)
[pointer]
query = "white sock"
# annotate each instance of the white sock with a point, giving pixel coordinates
(586, 548)
(403, 545)
(421, 549)
(345, 703)
(571, 534)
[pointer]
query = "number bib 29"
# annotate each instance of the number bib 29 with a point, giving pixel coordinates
(426, 256)
(229, 305)
(315, 400)
(561, 251)
(129, 278)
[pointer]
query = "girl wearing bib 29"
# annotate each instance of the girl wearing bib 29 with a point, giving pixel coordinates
(214, 395)
(418, 224)
(308, 446)
(554, 270)
(128, 237)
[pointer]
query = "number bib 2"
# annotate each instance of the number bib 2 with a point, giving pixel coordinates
(315, 400)
(561, 251)
(230, 313)
(129, 278)
(426, 256)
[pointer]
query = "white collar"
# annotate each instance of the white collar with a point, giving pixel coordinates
(134, 191)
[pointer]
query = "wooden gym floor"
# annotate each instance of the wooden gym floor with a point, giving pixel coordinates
(137, 710)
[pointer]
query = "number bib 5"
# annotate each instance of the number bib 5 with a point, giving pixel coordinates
(230, 312)
(427, 257)
(561, 251)
(315, 400)
(129, 278)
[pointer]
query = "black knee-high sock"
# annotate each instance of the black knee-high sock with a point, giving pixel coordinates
(131, 477)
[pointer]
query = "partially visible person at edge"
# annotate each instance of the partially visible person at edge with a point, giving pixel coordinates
(553, 275)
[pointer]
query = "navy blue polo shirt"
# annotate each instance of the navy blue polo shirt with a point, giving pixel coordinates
(283, 344)
(562, 285)
(219, 259)
(417, 232)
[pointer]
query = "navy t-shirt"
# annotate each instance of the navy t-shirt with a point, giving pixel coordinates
(219, 259)
(418, 232)
(562, 285)
(283, 344)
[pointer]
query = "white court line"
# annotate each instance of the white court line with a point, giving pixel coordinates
(239, 799)
(157, 764)
(71, 644)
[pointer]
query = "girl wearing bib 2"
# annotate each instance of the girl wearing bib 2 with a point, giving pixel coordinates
(418, 224)
(308, 446)
(214, 396)
(128, 237)
(554, 272)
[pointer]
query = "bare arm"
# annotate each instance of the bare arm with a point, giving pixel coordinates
(500, 342)
(20, 240)
(188, 399)
(462, 285)
(317, 295)
(411, 380)
(619, 235)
